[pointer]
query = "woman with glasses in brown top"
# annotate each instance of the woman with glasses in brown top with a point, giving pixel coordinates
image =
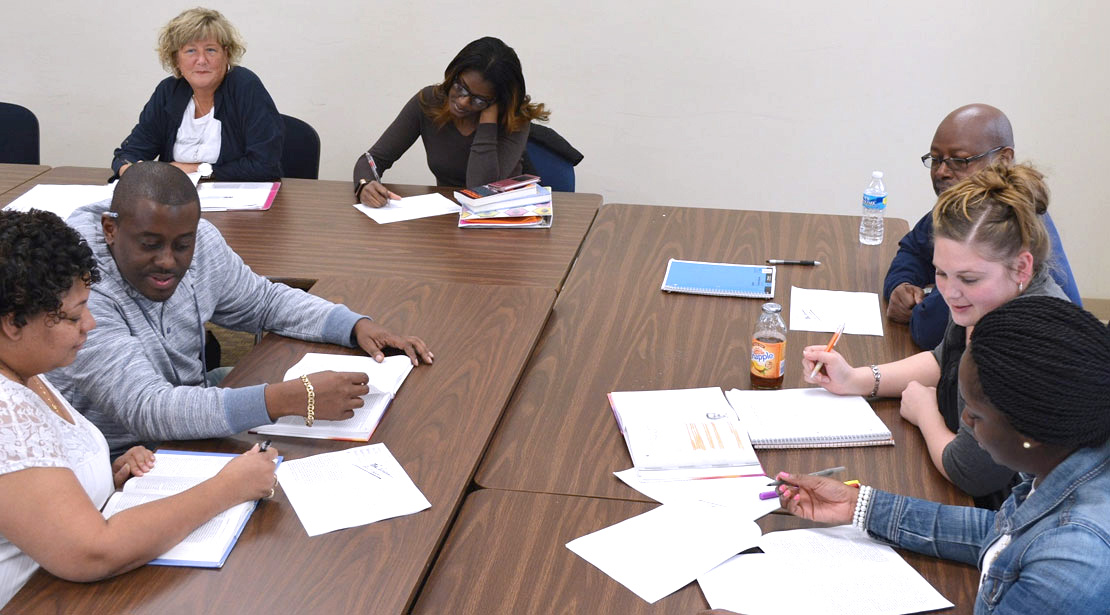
(474, 124)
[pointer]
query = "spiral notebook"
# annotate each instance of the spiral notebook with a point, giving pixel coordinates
(721, 279)
(808, 418)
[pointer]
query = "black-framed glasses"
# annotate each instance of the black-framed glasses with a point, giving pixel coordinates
(956, 164)
(478, 102)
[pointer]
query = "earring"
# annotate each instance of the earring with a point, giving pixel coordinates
(1021, 287)
(1026, 445)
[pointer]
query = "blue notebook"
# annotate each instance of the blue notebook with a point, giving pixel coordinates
(722, 279)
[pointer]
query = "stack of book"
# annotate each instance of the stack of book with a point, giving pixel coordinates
(517, 202)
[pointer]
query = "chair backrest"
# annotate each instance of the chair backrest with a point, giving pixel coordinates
(19, 135)
(556, 171)
(550, 156)
(300, 156)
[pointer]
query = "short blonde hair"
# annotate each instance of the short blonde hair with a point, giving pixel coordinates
(193, 25)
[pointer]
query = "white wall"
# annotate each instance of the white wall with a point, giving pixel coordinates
(769, 105)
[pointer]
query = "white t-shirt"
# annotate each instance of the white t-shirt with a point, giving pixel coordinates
(198, 138)
(33, 436)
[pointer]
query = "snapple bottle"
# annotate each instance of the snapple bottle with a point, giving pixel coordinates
(769, 348)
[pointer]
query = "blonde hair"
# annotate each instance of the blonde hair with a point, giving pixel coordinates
(998, 209)
(193, 25)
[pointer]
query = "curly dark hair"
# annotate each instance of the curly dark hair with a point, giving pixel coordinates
(40, 257)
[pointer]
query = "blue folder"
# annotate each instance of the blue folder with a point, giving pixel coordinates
(722, 279)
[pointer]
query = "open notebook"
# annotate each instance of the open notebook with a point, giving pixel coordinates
(808, 418)
(683, 434)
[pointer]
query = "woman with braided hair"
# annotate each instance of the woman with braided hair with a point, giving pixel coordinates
(990, 247)
(1036, 381)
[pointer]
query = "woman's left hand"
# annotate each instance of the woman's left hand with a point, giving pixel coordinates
(138, 460)
(918, 401)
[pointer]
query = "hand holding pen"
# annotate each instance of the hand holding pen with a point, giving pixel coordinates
(817, 498)
(832, 344)
(372, 193)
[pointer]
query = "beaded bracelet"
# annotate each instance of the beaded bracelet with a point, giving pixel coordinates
(878, 377)
(863, 507)
(310, 415)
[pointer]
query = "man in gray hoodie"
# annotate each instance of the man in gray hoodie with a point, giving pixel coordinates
(165, 272)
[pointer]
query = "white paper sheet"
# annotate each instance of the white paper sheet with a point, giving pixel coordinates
(410, 208)
(383, 380)
(234, 196)
(348, 488)
(842, 569)
(60, 198)
(739, 493)
(823, 310)
(662, 550)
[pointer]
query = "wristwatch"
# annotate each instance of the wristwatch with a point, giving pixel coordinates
(205, 170)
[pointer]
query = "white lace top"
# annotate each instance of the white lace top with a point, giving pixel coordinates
(32, 436)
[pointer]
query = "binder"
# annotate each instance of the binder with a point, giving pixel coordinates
(720, 279)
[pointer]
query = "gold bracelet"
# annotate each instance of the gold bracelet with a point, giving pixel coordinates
(310, 415)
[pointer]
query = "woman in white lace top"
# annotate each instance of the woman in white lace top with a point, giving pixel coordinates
(54, 468)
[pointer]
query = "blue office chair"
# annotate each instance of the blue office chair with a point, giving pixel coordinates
(550, 156)
(19, 135)
(300, 156)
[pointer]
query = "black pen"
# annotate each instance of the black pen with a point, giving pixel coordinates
(779, 261)
(265, 445)
(825, 472)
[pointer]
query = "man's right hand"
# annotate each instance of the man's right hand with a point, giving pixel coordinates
(337, 395)
(902, 301)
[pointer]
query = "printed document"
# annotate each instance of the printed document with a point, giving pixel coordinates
(61, 199)
(410, 208)
(384, 380)
(740, 493)
(662, 550)
(348, 488)
(823, 310)
(175, 471)
(843, 571)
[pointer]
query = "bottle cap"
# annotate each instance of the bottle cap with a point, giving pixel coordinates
(877, 174)
(772, 308)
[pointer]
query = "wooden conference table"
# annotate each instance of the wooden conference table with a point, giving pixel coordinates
(312, 230)
(12, 175)
(550, 460)
(549, 467)
(437, 428)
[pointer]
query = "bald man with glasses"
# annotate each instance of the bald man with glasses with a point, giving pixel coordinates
(967, 140)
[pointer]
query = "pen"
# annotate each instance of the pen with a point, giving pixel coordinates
(373, 167)
(767, 495)
(265, 445)
(779, 261)
(825, 472)
(832, 344)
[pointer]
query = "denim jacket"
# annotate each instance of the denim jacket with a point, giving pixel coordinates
(1058, 560)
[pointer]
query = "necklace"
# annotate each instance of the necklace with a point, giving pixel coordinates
(42, 392)
(48, 397)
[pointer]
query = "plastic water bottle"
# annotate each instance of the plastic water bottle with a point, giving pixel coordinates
(874, 204)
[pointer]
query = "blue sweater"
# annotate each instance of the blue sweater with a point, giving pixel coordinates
(914, 264)
(251, 136)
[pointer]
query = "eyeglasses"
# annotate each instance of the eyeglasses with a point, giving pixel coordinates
(478, 102)
(955, 164)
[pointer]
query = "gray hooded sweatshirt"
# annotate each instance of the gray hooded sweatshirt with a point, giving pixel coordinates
(140, 376)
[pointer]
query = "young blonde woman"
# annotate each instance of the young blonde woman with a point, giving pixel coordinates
(990, 247)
